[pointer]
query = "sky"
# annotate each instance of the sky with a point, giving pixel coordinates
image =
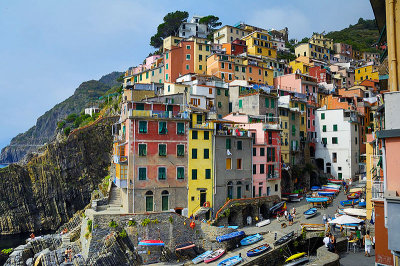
(47, 47)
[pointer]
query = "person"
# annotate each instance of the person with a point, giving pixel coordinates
(286, 215)
(294, 212)
(249, 220)
(66, 255)
(331, 247)
(333, 242)
(350, 182)
(358, 232)
(326, 240)
(324, 218)
(290, 218)
(367, 243)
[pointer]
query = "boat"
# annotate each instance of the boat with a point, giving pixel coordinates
(331, 187)
(214, 255)
(263, 223)
(298, 262)
(151, 243)
(295, 256)
(313, 227)
(336, 181)
(258, 250)
(284, 239)
(362, 204)
(334, 185)
(331, 190)
(326, 193)
(349, 202)
(290, 194)
(230, 236)
(315, 188)
(201, 257)
(230, 226)
(313, 200)
(310, 213)
(355, 212)
(353, 196)
(231, 261)
(251, 240)
(277, 206)
(356, 189)
(184, 246)
(296, 198)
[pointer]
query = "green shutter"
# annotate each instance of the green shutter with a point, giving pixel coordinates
(181, 128)
(226, 93)
(142, 126)
(293, 130)
(149, 203)
(142, 173)
(206, 153)
(240, 103)
(206, 135)
(162, 173)
(228, 143)
(180, 150)
(218, 91)
(266, 102)
(162, 150)
(272, 103)
(162, 128)
(180, 173)
(322, 116)
(142, 150)
(334, 127)
(324, 128)
(194, 153)
(219, 104)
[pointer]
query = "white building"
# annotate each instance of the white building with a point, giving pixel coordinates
(91, 111)
(338, 145)
(193, 28)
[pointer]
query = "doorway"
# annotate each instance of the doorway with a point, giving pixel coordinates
(203, 197)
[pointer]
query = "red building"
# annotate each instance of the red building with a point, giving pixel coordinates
(321, 74)
(155, 140)
(179, 60)
(236, 47)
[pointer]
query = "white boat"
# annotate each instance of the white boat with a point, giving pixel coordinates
(263, 223)
(355, 212)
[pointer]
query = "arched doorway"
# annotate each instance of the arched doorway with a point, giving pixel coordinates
(149, 201)
(165, 200)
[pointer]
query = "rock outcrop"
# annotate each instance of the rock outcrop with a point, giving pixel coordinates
(45, 129)
(51, 187)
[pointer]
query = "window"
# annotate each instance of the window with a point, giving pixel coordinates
(206, 153)
(188, 47)
(147, 75)
(149, 201)
(166, 76)
(262, 168)
(164, 200)
(166, 66)
(239, 145)
(254, 169)
(218, 91)
(142, 127)
(180, 172)
(240, 104)
(142, 173)
(239, 164)
(180, 150)
(200, 67)
(236, 68)
(334, 157)
(334, 140)
(293, 130)
(228, 143)
(162, 128)
(180, 128)
(355, 140)
(226, 93)
(187, 67)
(266, 102)
(142, 149)
(229, 66)
(334, 127)
(222, 65)
(208, 173)
(188, 57)
(194, 174)
(206, 135)
(271, 154)
(166, 55)
(276, 187)
(244, 69)
(169, 88)
(200, 47)
(324, 128)
(194, 134)
(210, 90)
(272, 103)
(162, 149)
(293, 116)
(269, 137)
(194, 153)
(200, 57)
(199, 119)
(219, 105)
(324, 141)
(162, 173)
(207, 48)
(228, 163)
(262, 151)
(302, 120)
(254, 152)
(250, 70)
(271, 171)
(322, 116)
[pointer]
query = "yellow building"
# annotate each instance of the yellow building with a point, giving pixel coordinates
(320, 40)
(259, 43)
(201, 172)
(301, 65)
(201, 52)
(366, 72)
(174, 88)
(369, 166)
(171, 41)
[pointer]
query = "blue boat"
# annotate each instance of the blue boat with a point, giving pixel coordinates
(326, 193)
(201, 257)
(258, 250)
(230, 236)
(231, 261)
(310, 213)
(230, 226)
(317, 199)
(250, 240)
(314, 188)
(362, 204)
(349, 202)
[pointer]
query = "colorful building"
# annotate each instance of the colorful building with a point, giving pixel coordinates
(228, 34)
(260, 44)
(366, 72)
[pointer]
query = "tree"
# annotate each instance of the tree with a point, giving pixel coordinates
(304, 40)
(211, 21)
(170, 26)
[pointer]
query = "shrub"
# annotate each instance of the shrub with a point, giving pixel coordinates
(89, 225)
(131, 223)
(7, 251)
(171, 220)
(67, 130)
(71, 117)
(60, 124)
(123, 234)
(145, 222)
(113, 224)
(87, 235)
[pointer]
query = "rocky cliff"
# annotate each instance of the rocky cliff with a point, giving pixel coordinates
(51, 187)
(45, 129)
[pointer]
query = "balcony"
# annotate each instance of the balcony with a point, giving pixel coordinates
(117, 159)
(204, 126)
(128, 84)
(377, 190)
(154, 114)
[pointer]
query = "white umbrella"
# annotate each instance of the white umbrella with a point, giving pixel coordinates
(346, 219)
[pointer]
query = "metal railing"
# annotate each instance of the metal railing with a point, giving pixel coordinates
(377, 190)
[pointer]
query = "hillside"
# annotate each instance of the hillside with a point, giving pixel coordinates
(362, 36)
(45, 129)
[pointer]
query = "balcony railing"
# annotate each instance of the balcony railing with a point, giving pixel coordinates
(203, 126)
(377, 190)
(155, 114)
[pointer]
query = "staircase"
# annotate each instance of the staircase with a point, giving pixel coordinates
(114, 199)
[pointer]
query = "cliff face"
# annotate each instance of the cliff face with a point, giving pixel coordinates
(51, 187)
(45, 129)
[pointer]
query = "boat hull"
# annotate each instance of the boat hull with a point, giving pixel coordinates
(201, 257)
(151, 243)
(214, 256)
(235, 260)
(251, 240)
(263, 223)
(258, 250)
(313, 200)
(310, 213)
(230, 236)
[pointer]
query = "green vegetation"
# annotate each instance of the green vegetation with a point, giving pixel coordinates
(212, 22)
(60, 124)
(113, 224)
(131, 223)
(7, 251)
(89, 225)
(145, 222)
(123, 234)
(362, 36)
(171, 220)
(67, 130)
(286, 56)
(87, 235)
(170, 26)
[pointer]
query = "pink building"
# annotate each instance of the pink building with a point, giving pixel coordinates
(298, 83)
(266, 151)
